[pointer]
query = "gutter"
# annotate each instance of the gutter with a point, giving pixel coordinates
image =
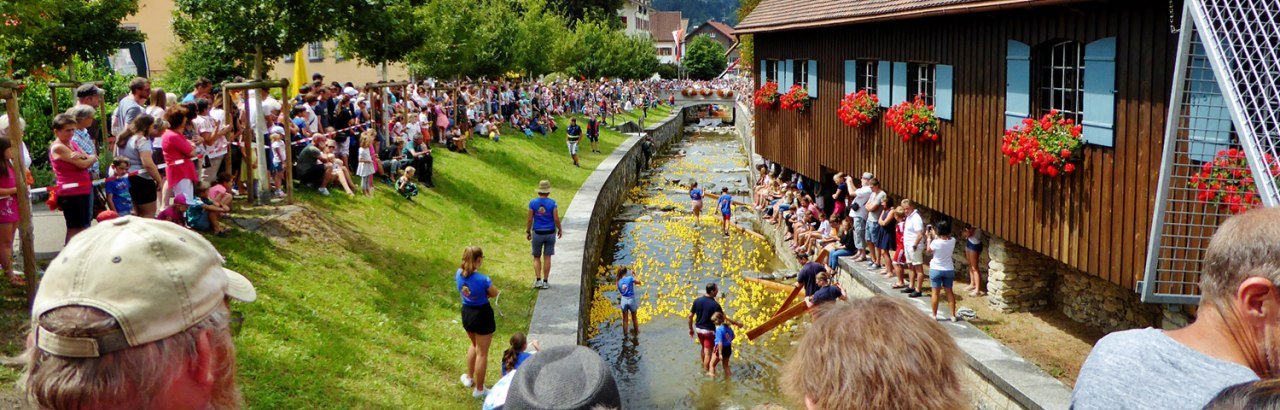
(966, 8)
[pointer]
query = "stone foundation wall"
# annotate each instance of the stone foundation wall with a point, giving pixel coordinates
(1017, 278)
(1096, 302)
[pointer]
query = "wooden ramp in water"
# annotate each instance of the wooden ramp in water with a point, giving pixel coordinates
(791, 308)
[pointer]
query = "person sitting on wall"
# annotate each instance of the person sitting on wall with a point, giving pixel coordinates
(1233, 339)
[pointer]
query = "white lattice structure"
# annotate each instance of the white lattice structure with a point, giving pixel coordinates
(1226, 95)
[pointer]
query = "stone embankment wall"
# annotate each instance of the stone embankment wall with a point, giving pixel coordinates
(560, 312)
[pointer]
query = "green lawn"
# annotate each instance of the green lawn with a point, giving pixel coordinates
(359, 311)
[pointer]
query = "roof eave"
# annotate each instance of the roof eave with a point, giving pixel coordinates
(992, 5)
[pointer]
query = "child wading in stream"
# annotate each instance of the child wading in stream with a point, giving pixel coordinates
(724, 346)
(695, 195)
(627, 299)
(725, 203)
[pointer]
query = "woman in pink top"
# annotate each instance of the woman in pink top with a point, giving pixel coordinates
(180, 177)
(71, 175)
(8, 212)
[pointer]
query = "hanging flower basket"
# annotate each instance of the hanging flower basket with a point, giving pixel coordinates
(797, 99)
(767, 95)
(724, 93)
(1051, 145)
(1228, 181)
(913, 120)
(706, 92)
(858, 109)
(687, 92)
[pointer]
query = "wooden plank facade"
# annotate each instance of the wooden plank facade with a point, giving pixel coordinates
(1096, 220)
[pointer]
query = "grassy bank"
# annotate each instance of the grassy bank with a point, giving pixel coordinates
(357, 307)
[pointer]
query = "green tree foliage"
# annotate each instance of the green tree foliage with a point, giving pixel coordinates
(37, 108)
(379, 31)
(747, 42)
(44, 35)
(579, 10)
(596, 50)
(668, 71)
(260, 31)
(537, 27)
(464, 38)
(196, 59)
(704, 58)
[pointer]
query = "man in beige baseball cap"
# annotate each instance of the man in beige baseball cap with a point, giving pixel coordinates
(133, 314)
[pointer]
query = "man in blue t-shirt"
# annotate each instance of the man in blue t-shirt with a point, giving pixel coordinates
(574, 133)
(826, 292)
(701, 328)
(808, 275)
(725, 203)
(542, 229)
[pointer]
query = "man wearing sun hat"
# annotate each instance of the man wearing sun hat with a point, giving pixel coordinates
(542, 229)
(133, 314)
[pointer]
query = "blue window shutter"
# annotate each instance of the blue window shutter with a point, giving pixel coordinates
(850, 76)
(1100, 92)
(884, 77)
(942, 99)
(784, 76)
(764, 72)
(812, 81)
(1208, 121)
(1017, 87)
(899, 82)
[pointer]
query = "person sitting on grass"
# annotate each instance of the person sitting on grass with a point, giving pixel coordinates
(309, 169)
(405, 185)
(724, 346)
(203, 214)
(218, 191)
(176, 213)
(517, 354)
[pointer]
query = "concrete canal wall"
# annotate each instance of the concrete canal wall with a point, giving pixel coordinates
(560, 313)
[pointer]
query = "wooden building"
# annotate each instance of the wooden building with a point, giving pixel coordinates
(985, 65)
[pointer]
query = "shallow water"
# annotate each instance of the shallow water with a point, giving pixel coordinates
(655, 235)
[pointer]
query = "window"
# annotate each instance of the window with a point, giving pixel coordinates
(1059, 79)
(338, 56)
(771, 71)
(712, 35)
(288, 58)
(801, 73)
(624, 21)
(920, 78)
(664, 51)
(867, 76)
(315, 51)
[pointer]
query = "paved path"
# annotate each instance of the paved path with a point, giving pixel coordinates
(50, 230)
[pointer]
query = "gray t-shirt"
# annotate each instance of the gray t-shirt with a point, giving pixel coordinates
(1145, 369)
(128, 109)
(874, 200)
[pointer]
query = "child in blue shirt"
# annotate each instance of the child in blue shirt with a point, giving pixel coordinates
(513, 357)
(724, 346)
(118, 189)
(725, 203)
(627, 299)
(695, 195)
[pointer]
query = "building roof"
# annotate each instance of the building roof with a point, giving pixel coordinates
(777, 15)
(663, 23)
(724, 29)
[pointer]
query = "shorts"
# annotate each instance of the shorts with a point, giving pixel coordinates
(627, 304)
(969, 246)
(275, 166)
(859, 226)
(726, 215)
(544, 244)
(873, 231)
(573, 147)
(705, 337)
(942, 278)
(697, 205)
(900, 257)
(915, 255)
(593, 138)
(201, 224)
(77, 210)
(726, 352)
(313, 176)
(478, 319)
(142, 190)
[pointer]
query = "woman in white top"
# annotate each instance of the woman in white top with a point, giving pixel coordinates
(942, 269)
(972, 251)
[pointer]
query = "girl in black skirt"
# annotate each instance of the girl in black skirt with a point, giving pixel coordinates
(477, 317)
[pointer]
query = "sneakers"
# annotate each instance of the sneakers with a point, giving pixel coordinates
(546, 285)
(479, 394)
(541, 284)
(915, 294)
(323, 191)
(466, 381)
(907, 289)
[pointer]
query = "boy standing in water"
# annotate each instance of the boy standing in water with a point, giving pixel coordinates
(695, 194)
(724, 346)
(627, 299)
(725, 203)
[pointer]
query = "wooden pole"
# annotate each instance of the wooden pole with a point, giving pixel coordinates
(25, 232)
(791, 312)
(288, 148)
(790, 298)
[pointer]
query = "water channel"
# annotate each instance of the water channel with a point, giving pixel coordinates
(674, 257)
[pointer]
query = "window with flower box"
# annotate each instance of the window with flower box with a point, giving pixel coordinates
(920, 81)
(867, 71)
(1059, 79)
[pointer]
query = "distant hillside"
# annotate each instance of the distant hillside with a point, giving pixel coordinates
(699, 11)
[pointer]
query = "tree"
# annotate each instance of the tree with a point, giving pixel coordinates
(704, 58)
(746, 42)
(580, 10)
(196, 59)
(668, 71)
(536, 25)
(42, 35)
(378, 32)
(595, 49)
(259, 31)
(464, 37)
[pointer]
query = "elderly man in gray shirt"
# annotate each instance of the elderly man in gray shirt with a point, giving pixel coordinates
(1234, 339)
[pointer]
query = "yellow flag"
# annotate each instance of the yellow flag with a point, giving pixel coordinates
(299, 72)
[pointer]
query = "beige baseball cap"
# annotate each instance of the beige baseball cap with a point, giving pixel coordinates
(154, 277)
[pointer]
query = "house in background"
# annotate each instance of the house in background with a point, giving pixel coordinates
(668, 28)
(719, 32)
(153, 19)
(1076, 243)
(636, 17)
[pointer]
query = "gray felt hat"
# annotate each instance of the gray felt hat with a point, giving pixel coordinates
(563, 377)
